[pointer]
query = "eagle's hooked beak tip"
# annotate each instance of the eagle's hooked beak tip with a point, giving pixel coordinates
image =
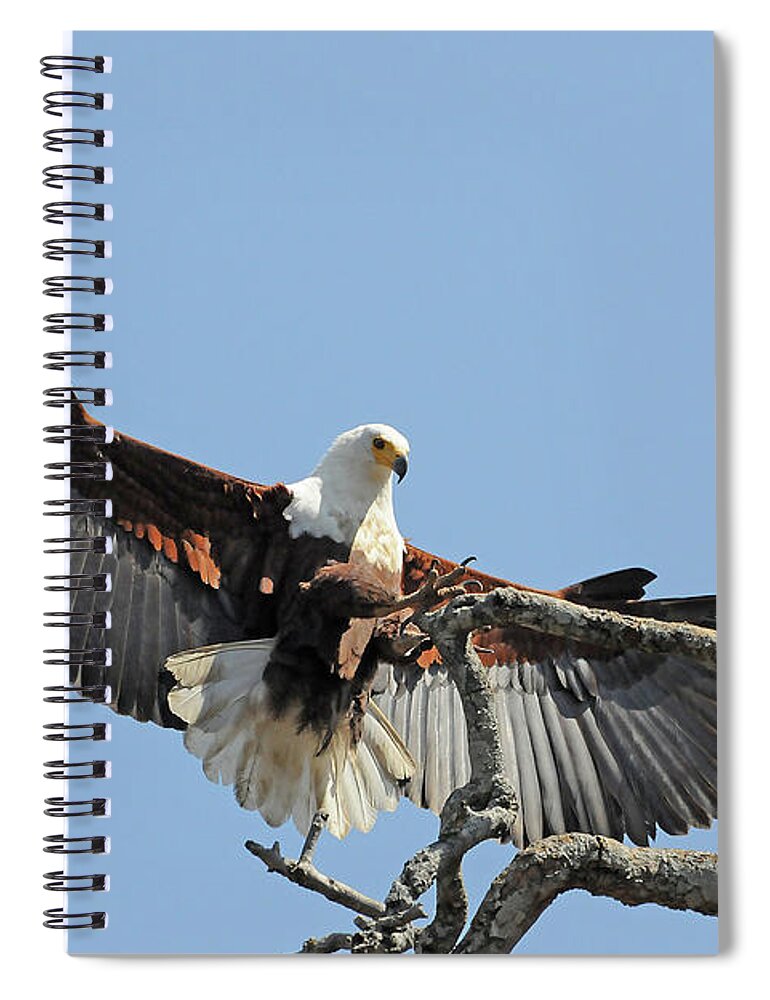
(400, 466)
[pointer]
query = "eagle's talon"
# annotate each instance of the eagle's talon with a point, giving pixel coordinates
(436, 589)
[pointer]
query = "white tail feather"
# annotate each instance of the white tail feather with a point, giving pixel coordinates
(274, 765)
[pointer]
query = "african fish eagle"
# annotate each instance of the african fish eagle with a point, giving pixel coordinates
(245, 615)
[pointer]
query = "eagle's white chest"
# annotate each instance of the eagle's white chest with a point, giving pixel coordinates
(364, 522)
(379, 541)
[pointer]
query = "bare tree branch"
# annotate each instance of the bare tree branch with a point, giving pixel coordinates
(680, 880)
(307, 875)
(330, 943)
(542, 613)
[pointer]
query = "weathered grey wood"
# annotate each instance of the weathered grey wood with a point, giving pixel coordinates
(542, 613)
(678, 879)
(307, 875)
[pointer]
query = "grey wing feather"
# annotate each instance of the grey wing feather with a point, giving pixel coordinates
(617, 746)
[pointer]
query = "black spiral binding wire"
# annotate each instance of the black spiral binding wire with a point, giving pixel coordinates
(57, 138)
(60, 140)
(53, 66)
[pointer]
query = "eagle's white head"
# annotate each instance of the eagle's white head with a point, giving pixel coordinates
(370, 451)
(350, 485)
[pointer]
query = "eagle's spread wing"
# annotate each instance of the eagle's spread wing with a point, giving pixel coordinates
(197, 558)
(613, 744)
(607, 743)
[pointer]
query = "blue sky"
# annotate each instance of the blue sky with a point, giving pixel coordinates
(500, 243)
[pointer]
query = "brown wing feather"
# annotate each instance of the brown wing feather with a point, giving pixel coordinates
(200, 557)
(192, 513)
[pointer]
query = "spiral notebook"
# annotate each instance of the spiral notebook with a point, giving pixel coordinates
(287, 269)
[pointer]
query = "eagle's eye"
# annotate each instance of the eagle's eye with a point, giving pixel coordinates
(378, 443)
